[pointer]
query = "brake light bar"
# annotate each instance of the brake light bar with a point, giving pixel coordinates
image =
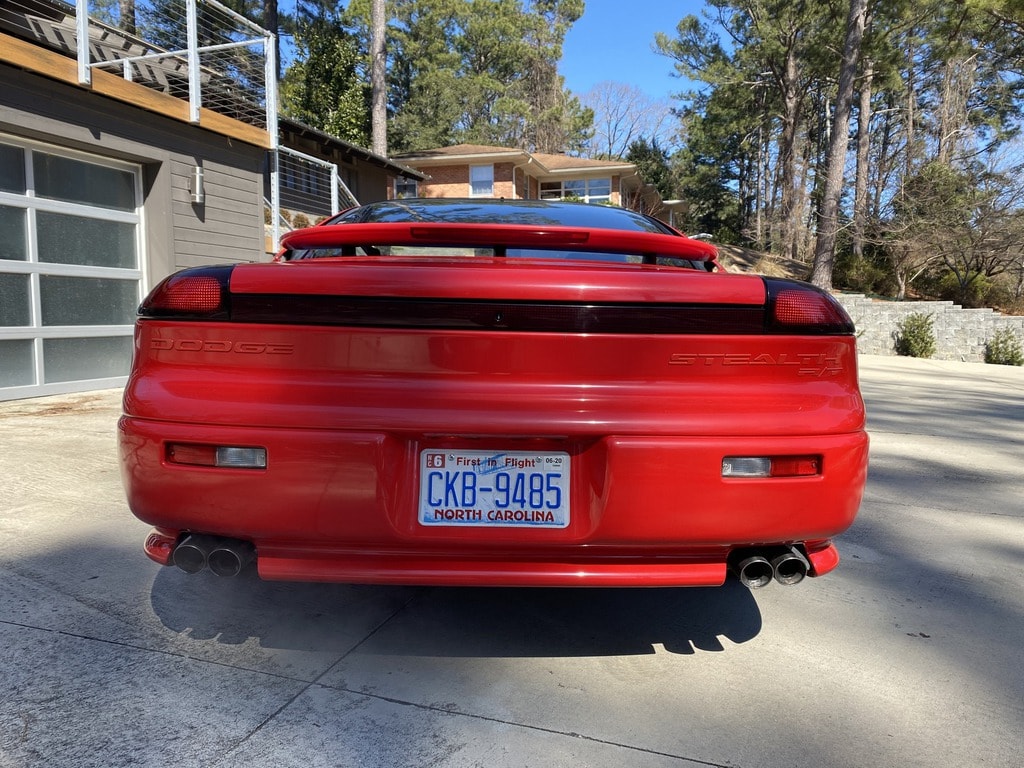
(472, 234)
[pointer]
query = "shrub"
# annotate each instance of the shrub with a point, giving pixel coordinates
(915, 336)
(864, 275)
(1004, 349)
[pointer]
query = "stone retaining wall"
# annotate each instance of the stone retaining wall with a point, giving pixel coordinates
(960, 334)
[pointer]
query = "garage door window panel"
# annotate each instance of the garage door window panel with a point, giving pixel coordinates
(12, 169)
(75, 181)
(13, 239)
(16, 370)
(87, 300)
(15, 300)
(78, 359)
(70, 239)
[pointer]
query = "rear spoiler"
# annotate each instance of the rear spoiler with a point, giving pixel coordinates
(499, 237)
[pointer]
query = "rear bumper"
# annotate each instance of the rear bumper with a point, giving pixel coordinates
(341, 506)
(284, 563)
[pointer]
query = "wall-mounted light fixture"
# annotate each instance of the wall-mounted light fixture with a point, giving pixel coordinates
(195, 186)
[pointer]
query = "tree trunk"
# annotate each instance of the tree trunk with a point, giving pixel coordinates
(788, 215)
(378, 82)
(271, 23)
(885, 158)
(828, 217)
(860, 194)
(911, 112)
(127, 13)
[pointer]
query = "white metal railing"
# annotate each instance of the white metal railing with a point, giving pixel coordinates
(304, 185)
(196, 50)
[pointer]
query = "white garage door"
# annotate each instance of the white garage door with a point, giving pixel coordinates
(70, 269)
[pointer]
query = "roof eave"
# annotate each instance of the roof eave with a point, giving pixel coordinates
(435, 160)
(301, 129)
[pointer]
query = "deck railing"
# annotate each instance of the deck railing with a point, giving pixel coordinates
(196, 50)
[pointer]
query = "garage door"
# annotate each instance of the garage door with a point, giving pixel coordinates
(70, 269)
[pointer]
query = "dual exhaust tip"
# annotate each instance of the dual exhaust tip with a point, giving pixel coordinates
(225, 557)
(787, 565)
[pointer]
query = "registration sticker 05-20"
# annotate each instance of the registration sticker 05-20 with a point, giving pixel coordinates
(510, 489)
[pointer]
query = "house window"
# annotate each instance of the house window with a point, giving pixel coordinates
(585, 190)
(481, 181)
(406, 188)
(70, 269)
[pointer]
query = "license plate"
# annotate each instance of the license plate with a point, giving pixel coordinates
(510, 489)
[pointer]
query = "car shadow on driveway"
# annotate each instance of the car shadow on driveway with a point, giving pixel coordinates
(454, 621)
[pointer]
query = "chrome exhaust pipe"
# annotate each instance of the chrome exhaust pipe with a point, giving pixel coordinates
(193, 551)
(230, 557)
(790, 566)
(754, 571)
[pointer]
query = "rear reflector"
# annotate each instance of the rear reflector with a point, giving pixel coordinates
(771, 466)
(229, 457)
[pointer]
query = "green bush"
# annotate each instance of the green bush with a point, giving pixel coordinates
(863, 276)
(947, 286)
(1004, 349)
(915, 336)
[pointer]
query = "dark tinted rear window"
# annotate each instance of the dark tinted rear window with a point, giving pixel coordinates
(535, 212)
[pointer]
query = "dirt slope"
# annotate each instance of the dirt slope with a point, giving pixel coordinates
(737, 259)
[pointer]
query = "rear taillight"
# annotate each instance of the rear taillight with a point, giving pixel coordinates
(222, 456)
(771, 466)
(795, 307)
(199, 293)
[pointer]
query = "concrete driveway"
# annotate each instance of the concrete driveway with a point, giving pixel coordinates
(909, 654)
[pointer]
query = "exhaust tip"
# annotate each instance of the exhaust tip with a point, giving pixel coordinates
(230, 558)
(754, 571)
(790, 566)
(191, 554)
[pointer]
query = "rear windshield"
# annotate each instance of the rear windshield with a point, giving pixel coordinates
(536, 212)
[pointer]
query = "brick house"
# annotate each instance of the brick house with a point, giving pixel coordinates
(473, 170)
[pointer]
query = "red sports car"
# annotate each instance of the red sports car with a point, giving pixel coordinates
(485, 392)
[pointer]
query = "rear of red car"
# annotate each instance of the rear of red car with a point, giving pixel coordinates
(425, 417)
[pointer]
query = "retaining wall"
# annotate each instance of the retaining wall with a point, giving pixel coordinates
(960, 334)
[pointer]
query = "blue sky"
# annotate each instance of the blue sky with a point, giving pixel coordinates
(613, 41)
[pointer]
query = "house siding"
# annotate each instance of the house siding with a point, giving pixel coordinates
(227, 227)
(446, 181)
(453, 181)
(503, 180)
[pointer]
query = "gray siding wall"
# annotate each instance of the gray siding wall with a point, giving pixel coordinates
(228, 227)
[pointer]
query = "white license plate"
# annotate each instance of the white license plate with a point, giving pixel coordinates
(509, 489)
